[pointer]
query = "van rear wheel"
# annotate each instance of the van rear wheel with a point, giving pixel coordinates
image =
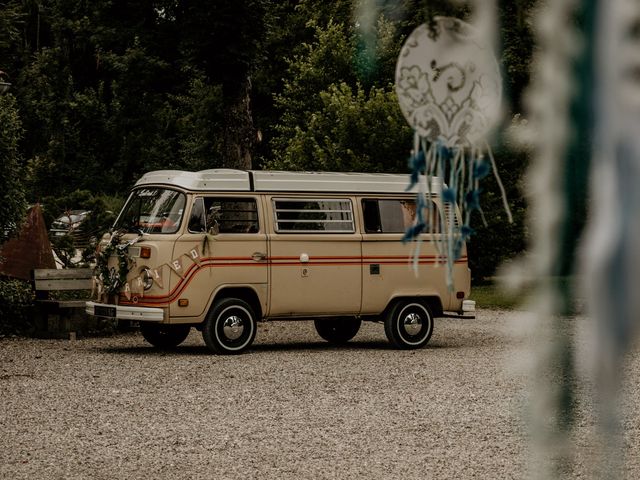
(230, 326)
(409, 324)
(164, 336)
(337, 330)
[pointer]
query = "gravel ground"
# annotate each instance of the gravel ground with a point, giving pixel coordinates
(292, 407)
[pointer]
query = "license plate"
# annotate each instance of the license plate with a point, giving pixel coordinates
(109, 312)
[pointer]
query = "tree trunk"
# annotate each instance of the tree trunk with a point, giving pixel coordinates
(239, 134)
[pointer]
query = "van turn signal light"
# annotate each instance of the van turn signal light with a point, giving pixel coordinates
(183, 302)
(145, 252)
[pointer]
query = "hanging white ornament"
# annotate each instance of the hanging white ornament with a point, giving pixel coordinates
(449, 89)
(448, 84)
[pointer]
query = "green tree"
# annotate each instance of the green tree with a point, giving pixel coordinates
(11, 22)
(137, 100)
(353, 130)
(12, 206)
(336, 102)
(290, 29)
(517, 48)
(94, 95)
(238, 26)
(66, 139)
(326, 61)
(199, 125)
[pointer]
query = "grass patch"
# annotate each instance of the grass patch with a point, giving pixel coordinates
(491, 295)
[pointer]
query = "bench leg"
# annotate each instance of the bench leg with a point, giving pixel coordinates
(53, 324)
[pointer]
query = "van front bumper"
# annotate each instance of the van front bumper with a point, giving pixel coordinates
(122, 312)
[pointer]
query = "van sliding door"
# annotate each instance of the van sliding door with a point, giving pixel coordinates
(315, 257)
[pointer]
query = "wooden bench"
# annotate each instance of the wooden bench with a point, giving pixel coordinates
(61, 318)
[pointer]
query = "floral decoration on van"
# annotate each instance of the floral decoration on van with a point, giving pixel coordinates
(110, 280)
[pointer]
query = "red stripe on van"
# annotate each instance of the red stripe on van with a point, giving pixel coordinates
(213, 262)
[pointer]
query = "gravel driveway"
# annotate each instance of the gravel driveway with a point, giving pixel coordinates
(292, 407)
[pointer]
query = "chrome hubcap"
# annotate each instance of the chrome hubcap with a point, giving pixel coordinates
(412, 324)
(233, 327)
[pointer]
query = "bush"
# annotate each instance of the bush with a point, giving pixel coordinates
(16, 307)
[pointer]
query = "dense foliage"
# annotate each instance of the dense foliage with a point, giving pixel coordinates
(106, 90)
(12, 202)
(16, 307)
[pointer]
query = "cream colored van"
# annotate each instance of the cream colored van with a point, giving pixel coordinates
(220, 250)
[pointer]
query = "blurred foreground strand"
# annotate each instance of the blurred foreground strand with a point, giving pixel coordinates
(548, 109)
(585, 102)
(612, 253)
(560, 105)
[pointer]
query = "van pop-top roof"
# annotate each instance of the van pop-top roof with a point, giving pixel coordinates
(275, 181)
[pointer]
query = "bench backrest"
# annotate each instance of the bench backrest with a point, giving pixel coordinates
(50, 279)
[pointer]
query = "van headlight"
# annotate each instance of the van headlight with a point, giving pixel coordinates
(147, 279)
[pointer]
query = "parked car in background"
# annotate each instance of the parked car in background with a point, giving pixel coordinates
(68, 222)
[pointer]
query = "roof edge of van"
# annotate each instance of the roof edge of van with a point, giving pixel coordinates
(224, 179)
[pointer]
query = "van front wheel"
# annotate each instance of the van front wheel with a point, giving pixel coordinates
(164, 336)
(230, 326)
(337, 330)
(409, 324)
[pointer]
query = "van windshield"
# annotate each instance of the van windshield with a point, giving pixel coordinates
(152, 210)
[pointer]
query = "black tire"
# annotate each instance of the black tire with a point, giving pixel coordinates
(164, 336)
(230, 326)
(337, 330)
(409, 324)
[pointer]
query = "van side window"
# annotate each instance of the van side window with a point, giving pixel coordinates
(396, 216)
(322, 215)
(224, 215)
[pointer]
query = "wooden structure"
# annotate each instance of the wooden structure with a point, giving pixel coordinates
(28, 250)
(61, 318)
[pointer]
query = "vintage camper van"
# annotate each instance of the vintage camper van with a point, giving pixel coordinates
(221, 250)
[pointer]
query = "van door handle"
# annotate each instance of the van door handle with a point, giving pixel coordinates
(258, 256)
